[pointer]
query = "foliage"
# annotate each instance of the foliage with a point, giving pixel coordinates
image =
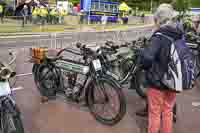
(75, 2)
(146, 4)
(195, 3)
(182, 6)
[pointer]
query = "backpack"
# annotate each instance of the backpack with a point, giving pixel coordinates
(180, 75)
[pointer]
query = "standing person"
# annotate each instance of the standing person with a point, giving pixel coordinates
(143, 17)
(35, 14)
(25, 14)
(81, 17)
(1, 13)
(43, 15)
(104, 19)
(157, 59)
(196, 22)
(63, 13)
(54, 15)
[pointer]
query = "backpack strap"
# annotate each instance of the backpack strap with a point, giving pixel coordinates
(169, 38)
(163, 35)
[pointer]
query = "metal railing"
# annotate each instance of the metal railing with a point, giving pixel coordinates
(21, 44)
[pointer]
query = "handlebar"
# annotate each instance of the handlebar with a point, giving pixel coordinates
(85, 51)
(68, 50)
(132, 44)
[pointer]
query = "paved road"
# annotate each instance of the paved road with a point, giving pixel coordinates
(66, 38)
(61, 117)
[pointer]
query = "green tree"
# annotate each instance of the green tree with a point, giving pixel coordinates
(75, 2)
(182, 5)
(195, 3)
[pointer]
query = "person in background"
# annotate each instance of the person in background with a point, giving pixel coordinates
(63, 13)
(154, 59)
(43, 15)
(143, 17)
(81, 17)
(48, 15)
(196, 23)
(25, 13)
(53, 16)
(104, 19)
(35, 14)
(1, 12)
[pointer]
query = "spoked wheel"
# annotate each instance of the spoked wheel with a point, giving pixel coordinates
(48, 81)
(140, 84)
(11, 123)
(122, 68)
(125, 67)
(106, 102)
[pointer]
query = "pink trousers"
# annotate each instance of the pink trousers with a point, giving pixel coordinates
(160, 103)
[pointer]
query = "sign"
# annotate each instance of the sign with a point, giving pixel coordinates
(102, 13)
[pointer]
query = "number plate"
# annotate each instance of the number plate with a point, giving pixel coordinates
(4, 88)
(96, 64)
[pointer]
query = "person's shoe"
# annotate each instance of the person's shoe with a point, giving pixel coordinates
(142, 112)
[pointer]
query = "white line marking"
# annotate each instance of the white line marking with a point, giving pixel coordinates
(24, 74)
(17, 88)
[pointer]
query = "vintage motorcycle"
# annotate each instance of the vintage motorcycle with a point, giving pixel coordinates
(58, 75)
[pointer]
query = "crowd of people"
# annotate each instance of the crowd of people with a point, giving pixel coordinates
(42, 14)
(39, 14)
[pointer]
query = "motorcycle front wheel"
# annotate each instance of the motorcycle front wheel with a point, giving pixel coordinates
(106, 101)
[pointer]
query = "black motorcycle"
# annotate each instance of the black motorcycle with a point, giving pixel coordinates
(101, 92)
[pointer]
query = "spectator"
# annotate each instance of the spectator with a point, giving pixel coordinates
(62, 14)
(35, 14)
(25, 13)
(81, 16)
(54, 16)
(143, 17)
(1, 13)
(43, 15)
(104, 19)
(154, 59)
(196, 22)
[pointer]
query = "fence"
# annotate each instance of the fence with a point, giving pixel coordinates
(22, 43)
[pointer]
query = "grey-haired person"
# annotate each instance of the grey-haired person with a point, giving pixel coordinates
(155, 60)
